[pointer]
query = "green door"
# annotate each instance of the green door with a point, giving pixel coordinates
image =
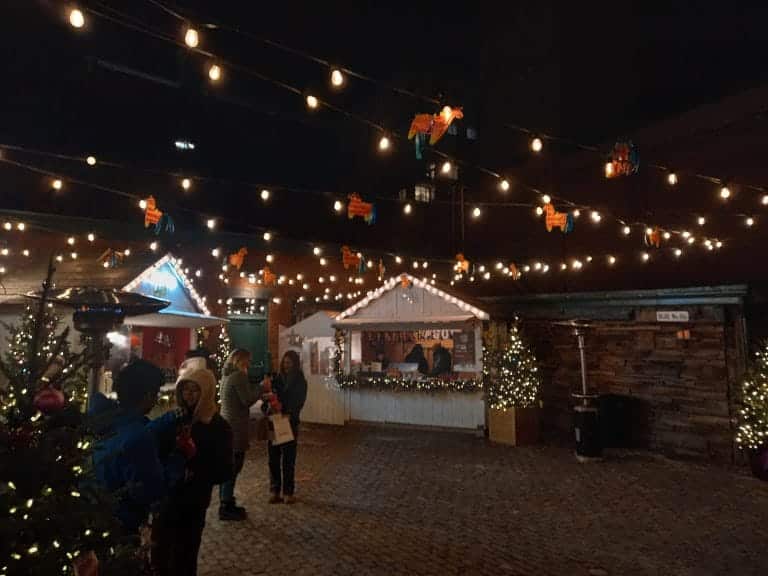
(251, 334)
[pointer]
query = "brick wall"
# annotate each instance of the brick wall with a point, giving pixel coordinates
(686, 386)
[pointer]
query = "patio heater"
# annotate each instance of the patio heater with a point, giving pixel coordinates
(96, 312)
(586, 414)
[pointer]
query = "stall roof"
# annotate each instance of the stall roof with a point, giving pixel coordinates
(405, 299)
(166, 279)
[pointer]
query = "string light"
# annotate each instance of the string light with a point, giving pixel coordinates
(536, 145)
(577, 265)
(143, 204)
(191, 38)
(265, 194)
(214, 72)
(323, 262)
(8, 226)
(686, 234)
(215, 252)
(476, 212)
(667, 235)
(57, 184)
(504, 185)
(384, 143)
(312, 102)
(539, 210)
(576, 213)
(398, 260)
(725, 192)
(671, 178)
(702, 220)
(626, 230)
(678, 252)
(270, 258)
(267, 236)
(645, 256)
(91, 161)
(749, 221)
(186, 183)
(691, 240)
(338, 206)
(211, 223)
(446, 168)
(337, 78)
(648, 231)
(407, 209)
(71, 240)
(596, 216)
(153, 246)
(316, 251)
(127, 252)
(611, 260)
(25, 252)
(74, 255)
(76, 18)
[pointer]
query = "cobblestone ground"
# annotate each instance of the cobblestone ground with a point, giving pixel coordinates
(393, 501)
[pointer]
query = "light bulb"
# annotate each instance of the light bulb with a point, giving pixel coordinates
(323, 262)
(57, 184)
(407, 209)
(546, 199)
(337, 78)
(415, 265)
(576, 213)
(446, 168)
(215, 252)
(384, 143)
(765, 200)
(627, 230)
(127, 252)
(211, 223)
(671, 178)
(265, 194)
(718, 244)
(143, 204)
(678, 252)
(667, 235)
(539, 210)
(198, 273)
(504, 185)
(59, 258)
(105, 264)
(312, 102)
(71, 240)
(74, 255)
(691, 240)
(749, 221)
(702, 220)
(645, 256)
(91, 161)
(8, 226)
(425, 265)
(153, 246)
(91, 237)
(398, 260)
(577, 265)
(191, 38)
(686, 234)
(611, 260)
(270, 258)
(648, 231)
(725, 192)
(186, 183)
(214, 73)
(476, 212)
(25, 252)
(609, 169)
(596, 216)
(338, 206)
(76, 18)
(267, 236)
(536, 145)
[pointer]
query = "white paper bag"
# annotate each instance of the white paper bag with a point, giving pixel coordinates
(281, 432)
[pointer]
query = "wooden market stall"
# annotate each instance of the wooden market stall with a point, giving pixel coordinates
(411, 353)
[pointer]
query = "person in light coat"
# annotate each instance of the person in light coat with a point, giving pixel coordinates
(237, 397)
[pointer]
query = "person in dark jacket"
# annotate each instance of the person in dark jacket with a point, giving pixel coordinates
(416, 356)
(208, 441)
(441, 360)
(237, 397)
(290, 386)
(126, 457)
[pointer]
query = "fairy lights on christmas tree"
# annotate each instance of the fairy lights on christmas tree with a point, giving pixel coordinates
(511, 376)
(52, 511)
(753, 417)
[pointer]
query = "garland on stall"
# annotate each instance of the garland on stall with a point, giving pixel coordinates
(395, 383)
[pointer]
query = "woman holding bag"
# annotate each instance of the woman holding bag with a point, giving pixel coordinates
(290, 388)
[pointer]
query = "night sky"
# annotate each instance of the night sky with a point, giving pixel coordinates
(588, 72)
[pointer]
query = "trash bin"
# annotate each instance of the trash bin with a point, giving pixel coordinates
(587, 428)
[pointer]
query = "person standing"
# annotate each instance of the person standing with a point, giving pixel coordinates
(179, 527)
(237, 397)
(290, 386)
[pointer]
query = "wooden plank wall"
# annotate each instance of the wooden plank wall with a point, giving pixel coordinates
(688, 387)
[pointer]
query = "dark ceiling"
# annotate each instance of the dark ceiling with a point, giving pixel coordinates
(587, 71)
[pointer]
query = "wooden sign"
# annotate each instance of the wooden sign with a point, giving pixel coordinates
(464, 348)
(672, 316)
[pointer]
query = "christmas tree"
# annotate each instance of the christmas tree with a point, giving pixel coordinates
(752, 433)
(54, 518)
(223, 349)
(510, 376)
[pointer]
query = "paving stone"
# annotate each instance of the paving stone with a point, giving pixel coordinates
(380, 501)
